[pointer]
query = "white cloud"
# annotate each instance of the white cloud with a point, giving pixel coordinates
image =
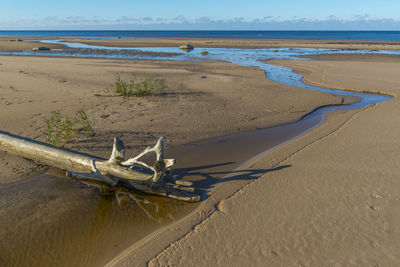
(358, 22)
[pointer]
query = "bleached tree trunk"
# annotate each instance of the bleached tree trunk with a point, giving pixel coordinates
(111, 171)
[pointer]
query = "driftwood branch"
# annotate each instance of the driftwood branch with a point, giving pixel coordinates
(114, 172)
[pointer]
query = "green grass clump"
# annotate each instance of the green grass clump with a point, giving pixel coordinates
(122, 87)
(13, 88)
(143, 87)
(59, 129)
(87, 124)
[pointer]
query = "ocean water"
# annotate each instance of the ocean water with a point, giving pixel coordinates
(309, 35)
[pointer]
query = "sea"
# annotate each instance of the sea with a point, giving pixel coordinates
(308, 35)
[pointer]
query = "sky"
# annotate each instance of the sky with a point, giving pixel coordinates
(200, 15)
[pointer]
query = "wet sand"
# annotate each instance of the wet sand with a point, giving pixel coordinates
(331, 197)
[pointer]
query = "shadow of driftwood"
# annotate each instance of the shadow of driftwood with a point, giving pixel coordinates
(159, 208)
(208, 176)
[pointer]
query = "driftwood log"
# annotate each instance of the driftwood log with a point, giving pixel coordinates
(116, 172)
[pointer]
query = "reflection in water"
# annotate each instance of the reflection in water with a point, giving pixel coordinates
(155, 208)
(48, 221)
(101, 213)
(155, 211)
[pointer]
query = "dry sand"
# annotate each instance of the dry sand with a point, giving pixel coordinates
(330, 199)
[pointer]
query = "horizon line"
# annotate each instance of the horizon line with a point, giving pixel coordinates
(215, 30)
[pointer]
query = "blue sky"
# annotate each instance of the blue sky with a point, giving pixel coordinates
(205, 14)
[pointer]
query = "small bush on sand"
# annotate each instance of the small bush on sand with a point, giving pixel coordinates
(87, 125)
(61, 130)
(122, 87)
(135, 87)
(13, 88)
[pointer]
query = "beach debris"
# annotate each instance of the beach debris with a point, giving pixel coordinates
(42, 48)
(186, 47)
(116, 173)
(204, 53)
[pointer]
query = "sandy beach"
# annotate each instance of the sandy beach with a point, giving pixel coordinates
(326, 198)
(333, 202)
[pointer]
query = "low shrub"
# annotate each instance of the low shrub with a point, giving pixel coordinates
(87, 124)
(139, 87)
(60, 130)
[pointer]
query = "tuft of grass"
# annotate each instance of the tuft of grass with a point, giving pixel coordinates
(122, 87)
(13, 88)
(59, 129)
(139, 87)
(86, 123)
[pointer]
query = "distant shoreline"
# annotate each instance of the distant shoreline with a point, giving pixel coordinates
(244, 43)
(21, 43)
(216, 34)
